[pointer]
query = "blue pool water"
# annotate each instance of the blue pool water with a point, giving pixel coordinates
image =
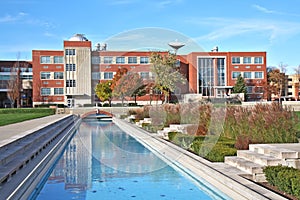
(102, 162)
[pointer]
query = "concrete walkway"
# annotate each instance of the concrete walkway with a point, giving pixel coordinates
(16, 131)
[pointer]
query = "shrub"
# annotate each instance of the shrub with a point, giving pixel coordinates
(285, 178)
(260, 124)
(172, 135)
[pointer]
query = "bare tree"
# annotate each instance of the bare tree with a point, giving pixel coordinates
(14, 85)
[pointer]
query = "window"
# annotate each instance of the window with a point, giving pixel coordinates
(45, 82)
(45, 67)
(58, 75)
(249, 89)
(236, 67)
(58, 91)
(247, 75)
(58, 83)
(45, 75)
(258, 75)
(120, 60)
(258, 60)
(95, 60)
(95, 75)
(70, 83)
(132, 60)
(58, 59)
(144, 60)
(235, 74)
(45, 59)
(144, 75)
(70, 52)
(70, 67)
(247, 67)
(258, 67)
(108, 60)
(108, 75)
(247, 60)
(58, 67)
(45, 91)
(235, 60)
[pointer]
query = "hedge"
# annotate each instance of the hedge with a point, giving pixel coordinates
(27, 110)
(286, 179)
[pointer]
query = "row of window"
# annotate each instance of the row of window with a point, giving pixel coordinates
(120, 60)
(56, 91)
(247, 60)
(23, 77)
(248, 75)
(9, 69)
(109, 75)
(70, 52)
(52, 75)
(51, 59)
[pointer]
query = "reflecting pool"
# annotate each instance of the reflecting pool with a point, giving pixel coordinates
(103, 162)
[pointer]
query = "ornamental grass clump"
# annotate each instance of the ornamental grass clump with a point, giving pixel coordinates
(262, 123)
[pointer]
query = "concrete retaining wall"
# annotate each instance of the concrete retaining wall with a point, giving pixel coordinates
(24, 162)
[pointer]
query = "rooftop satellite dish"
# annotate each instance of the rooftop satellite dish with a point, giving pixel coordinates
(176, 45)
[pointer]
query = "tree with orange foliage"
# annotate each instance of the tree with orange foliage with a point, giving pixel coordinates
(118, 76)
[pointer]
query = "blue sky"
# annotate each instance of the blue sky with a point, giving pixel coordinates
(232, 25)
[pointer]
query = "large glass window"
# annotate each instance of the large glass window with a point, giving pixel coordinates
(70, 52)
(247, 75)
(258, 60)
(58, 59)
(120, 60)
(58, 75)
(45, 59)
(45, 75)
(108, 75)
(45, 91)
(132, 60)
(247, 60)
(70, 67)
(206, 76)
(58, 91)
(108, 59)
(235, 60)
(258, 75)
(235, 74)
(70, 83)
(221, 71)
(144, 60)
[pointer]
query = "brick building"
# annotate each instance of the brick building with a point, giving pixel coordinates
(18, 73)
(69, 76)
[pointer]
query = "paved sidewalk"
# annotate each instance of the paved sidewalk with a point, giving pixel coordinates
(13, 132)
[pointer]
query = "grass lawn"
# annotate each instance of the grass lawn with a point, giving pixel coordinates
(212, 148)
(11, 116)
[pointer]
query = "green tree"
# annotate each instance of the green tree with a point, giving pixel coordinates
(167, 75)
(240, 86)
(127, 85)
(104, 92)
(141, 91)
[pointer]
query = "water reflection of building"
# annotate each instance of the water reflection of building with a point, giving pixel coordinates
(74, 168)
(102, 151)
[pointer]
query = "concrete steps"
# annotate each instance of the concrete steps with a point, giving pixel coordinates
(253, 161)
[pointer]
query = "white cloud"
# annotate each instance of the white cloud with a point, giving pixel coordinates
(263, 9)
(11, 18)
(268, 11)
(229, 28)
